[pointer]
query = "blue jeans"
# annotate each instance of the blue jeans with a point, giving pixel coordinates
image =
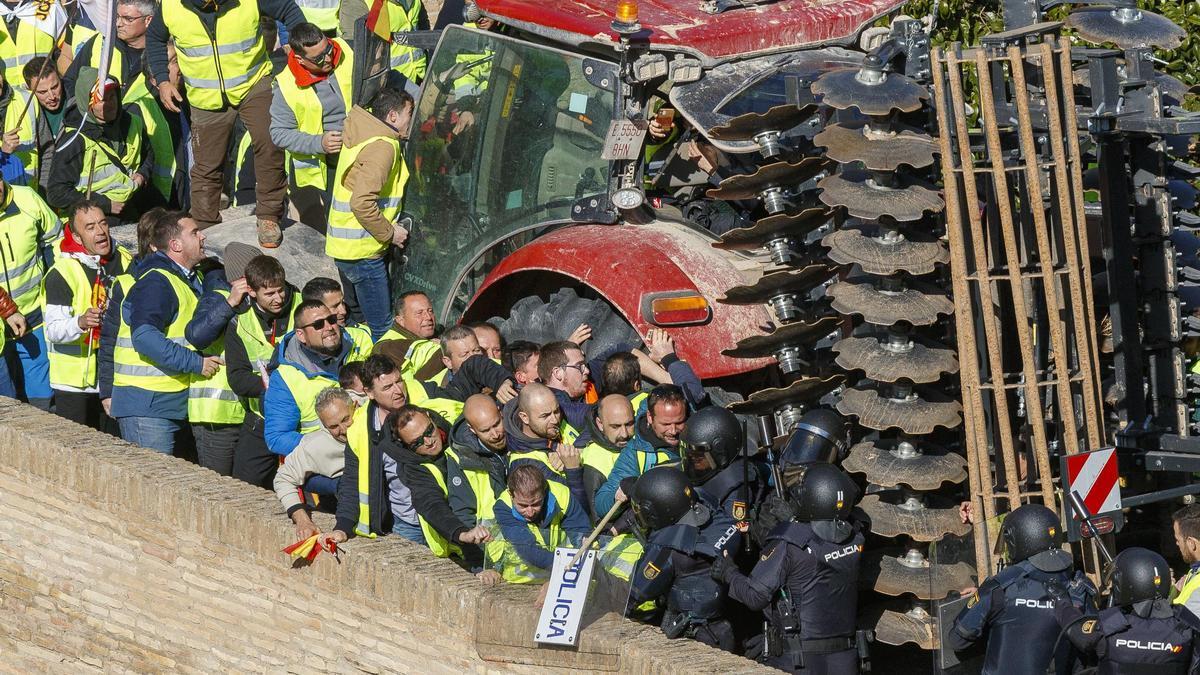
(29, 368)
(7, 388)
(367, 292)
(155, 433)
(409, 532)
(322, 485)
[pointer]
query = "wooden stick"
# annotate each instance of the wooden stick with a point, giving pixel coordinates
(62, 32)
(587, 543)
(91, 172)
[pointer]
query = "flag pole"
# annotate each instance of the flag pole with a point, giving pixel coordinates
(62, 32)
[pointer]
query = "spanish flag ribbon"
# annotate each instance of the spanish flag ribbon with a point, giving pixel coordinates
(308, 549)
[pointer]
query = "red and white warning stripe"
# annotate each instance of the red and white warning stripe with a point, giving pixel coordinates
(1095, 477)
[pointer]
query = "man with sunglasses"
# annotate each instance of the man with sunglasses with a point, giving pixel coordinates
(310, 99)
(304, 362)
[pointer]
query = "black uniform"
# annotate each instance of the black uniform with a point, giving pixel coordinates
(677, 563)
(1014, 612)
(724, 491)
(1152, 637)
(811, 586)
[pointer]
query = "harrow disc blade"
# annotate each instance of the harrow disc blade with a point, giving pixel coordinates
(917, 303)
(919, 524)
(882, 464)
(775, 283)
(914, 415)
(803, 391)
(796, 224)
(912, 252)
(746, 127)
(892, 573)
(800, 333)
(883, 361)
(862, 197)
(897, 628)
(777, 175)
(1126, 27)
(845, 88)
(877, 150)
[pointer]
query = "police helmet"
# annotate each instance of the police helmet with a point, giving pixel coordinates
(819, 436)
(661, 496)
(1033, 532)
(1139, 574)
(824, 498)
(712, 440)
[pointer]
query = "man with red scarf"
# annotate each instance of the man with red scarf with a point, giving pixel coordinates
(310, 100)
(76, 293)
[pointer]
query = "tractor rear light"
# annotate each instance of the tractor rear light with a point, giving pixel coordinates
(677, 309)
(625, 20)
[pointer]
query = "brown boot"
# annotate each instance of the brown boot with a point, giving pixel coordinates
(269, 234)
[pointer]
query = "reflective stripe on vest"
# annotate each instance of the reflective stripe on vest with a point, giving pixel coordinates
(130, 91)
(73, 363)
(448, 408)
(130, 368)
(24, 216)
(210, 399)
(28, 43)
(505, 558)
(218, 72)
(312, 170)
(321, 13)
(345, 239)
(161, 144)
(257, 346)
(439, 545)
(358, 438)
(408, 61)
(107, 178)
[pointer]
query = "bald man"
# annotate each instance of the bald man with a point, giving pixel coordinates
(534, 425)
(608, 430)
(476, 461)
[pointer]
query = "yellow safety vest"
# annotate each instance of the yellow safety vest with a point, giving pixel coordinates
(599, 458)
(15, 51)
(645, 463)
(420, 352)
(620, 557)
(363, 345)
(408, 61)
(566, 433)
(79, 37)
(215, 72)
(475, 80)
(108, 178)
(480, 483)
(636, 400)
(313, 170)
(504, 557)
(321, 13)
(24, 214)
(162, 145)
(130, 368)
(74, 363)
(1191, 582)
(358, 439)
(345, 239)
(305, 389)
(448, 408)
(210, 399)
(439, 545)
(258, 347)
(26, 143)
(130, 91)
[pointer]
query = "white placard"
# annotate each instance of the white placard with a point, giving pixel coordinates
(563, 609)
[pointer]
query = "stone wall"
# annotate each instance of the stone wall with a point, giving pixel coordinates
(117, 558)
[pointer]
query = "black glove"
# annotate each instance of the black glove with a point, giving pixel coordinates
(1057, 592)
(721, 568)
(627, 486)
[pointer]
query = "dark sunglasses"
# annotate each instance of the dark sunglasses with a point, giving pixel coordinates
(323, 57)
(423, 438)
(321, 323)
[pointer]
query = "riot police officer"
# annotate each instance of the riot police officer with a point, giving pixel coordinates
(1014, 610)
(808, 575)
(1141, 632)
(683, 538)
(819, 437)
(711, 451)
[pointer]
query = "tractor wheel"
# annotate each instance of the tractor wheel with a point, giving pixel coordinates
(541, 320)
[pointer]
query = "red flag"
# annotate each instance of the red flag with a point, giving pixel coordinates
(378, 21)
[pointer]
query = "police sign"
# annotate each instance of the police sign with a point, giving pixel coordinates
(563, 609)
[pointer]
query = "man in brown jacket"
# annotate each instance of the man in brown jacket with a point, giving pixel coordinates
(368, 193)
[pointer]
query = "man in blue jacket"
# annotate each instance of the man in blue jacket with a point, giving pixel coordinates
(306, 361)
(153, 362)
(655, 442)
(534, 518)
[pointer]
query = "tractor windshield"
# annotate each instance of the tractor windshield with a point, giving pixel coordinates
(507, 137)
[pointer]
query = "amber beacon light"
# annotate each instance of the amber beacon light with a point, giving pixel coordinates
(626, 19)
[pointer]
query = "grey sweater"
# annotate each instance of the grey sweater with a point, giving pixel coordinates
(317, 453)
(284, 131)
